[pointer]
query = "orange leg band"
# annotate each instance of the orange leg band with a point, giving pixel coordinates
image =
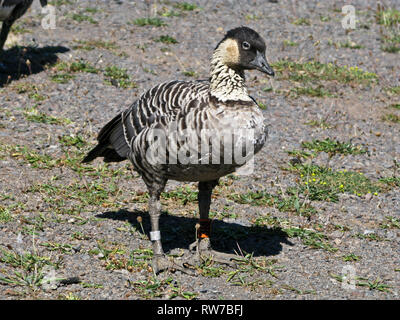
(205, 229)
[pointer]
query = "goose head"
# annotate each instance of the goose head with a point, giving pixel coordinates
(243, 48)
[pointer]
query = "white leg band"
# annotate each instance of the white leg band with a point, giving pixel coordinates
(155, 235)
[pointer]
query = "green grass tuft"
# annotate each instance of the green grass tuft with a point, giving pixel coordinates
(302, 22)
(166, 39)
(391, 117)
(323, 184)
(333, 147)
(34, 115)
(90, 45)
(118, 77)
(185, 6)
(388, 18)
(156, 22)
(79, 17)
(314, 70)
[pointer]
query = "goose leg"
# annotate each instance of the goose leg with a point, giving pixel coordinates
(202, 243)
(160, 261)
(4, 33)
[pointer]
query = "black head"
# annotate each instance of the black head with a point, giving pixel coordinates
(243, 48)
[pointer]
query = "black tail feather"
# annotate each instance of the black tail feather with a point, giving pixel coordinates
(104, 147)
(94, 153)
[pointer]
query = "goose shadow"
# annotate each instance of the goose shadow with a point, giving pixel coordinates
(228, 237)
(14, 61)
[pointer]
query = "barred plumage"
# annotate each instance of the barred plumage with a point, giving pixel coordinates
(10, 11)
(200, 125)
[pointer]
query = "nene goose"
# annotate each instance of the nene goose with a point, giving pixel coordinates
(11, 10)
(220, 107)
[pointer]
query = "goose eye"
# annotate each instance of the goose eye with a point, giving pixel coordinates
(245, 45)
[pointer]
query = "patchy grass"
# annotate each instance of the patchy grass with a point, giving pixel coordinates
(388, 18)
(317, 71)
(156, 22)
(154, 287)
(226, 213)
(80, 196)
(252, 17)
(34, 158)
(185, 6)
(91, 10)
(391, 181)
(289, 202)
(302, 22)
(151, 71)
(369, 236)
(90, 45)
(29, 268)
(351, 45)
(116, 257)
(262, 105)
(19, 29)
(290, 43)
(318, 92)
(165, 12)
(189, 73)
(391, 117)
(390, 223)
(73, 140)
(393, 90)
(166, 39)
(323, 184)
(248, 268)
(5, 214)
(365, 282)
(62, 78)
(118, 77)
(324, 18)
(31, 89)
(59, 3)
(183, 194)
(310, 238)
(76, 66)
(113, 75)
(207, 268)
(63, 248)
(333, 147)
(71, 159)
(376, 284)
(323, 124)
(391, 48)
(34, 115)
(80, 17)
(391, 42)
(351, 258)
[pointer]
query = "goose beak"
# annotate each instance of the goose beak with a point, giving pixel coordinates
(261, 64)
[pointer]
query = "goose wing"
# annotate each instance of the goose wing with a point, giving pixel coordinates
(157, 106)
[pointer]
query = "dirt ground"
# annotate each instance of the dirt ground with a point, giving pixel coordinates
(319, 218)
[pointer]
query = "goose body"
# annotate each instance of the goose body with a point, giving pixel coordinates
(180, 112)
(10, 11)
(192, 130)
